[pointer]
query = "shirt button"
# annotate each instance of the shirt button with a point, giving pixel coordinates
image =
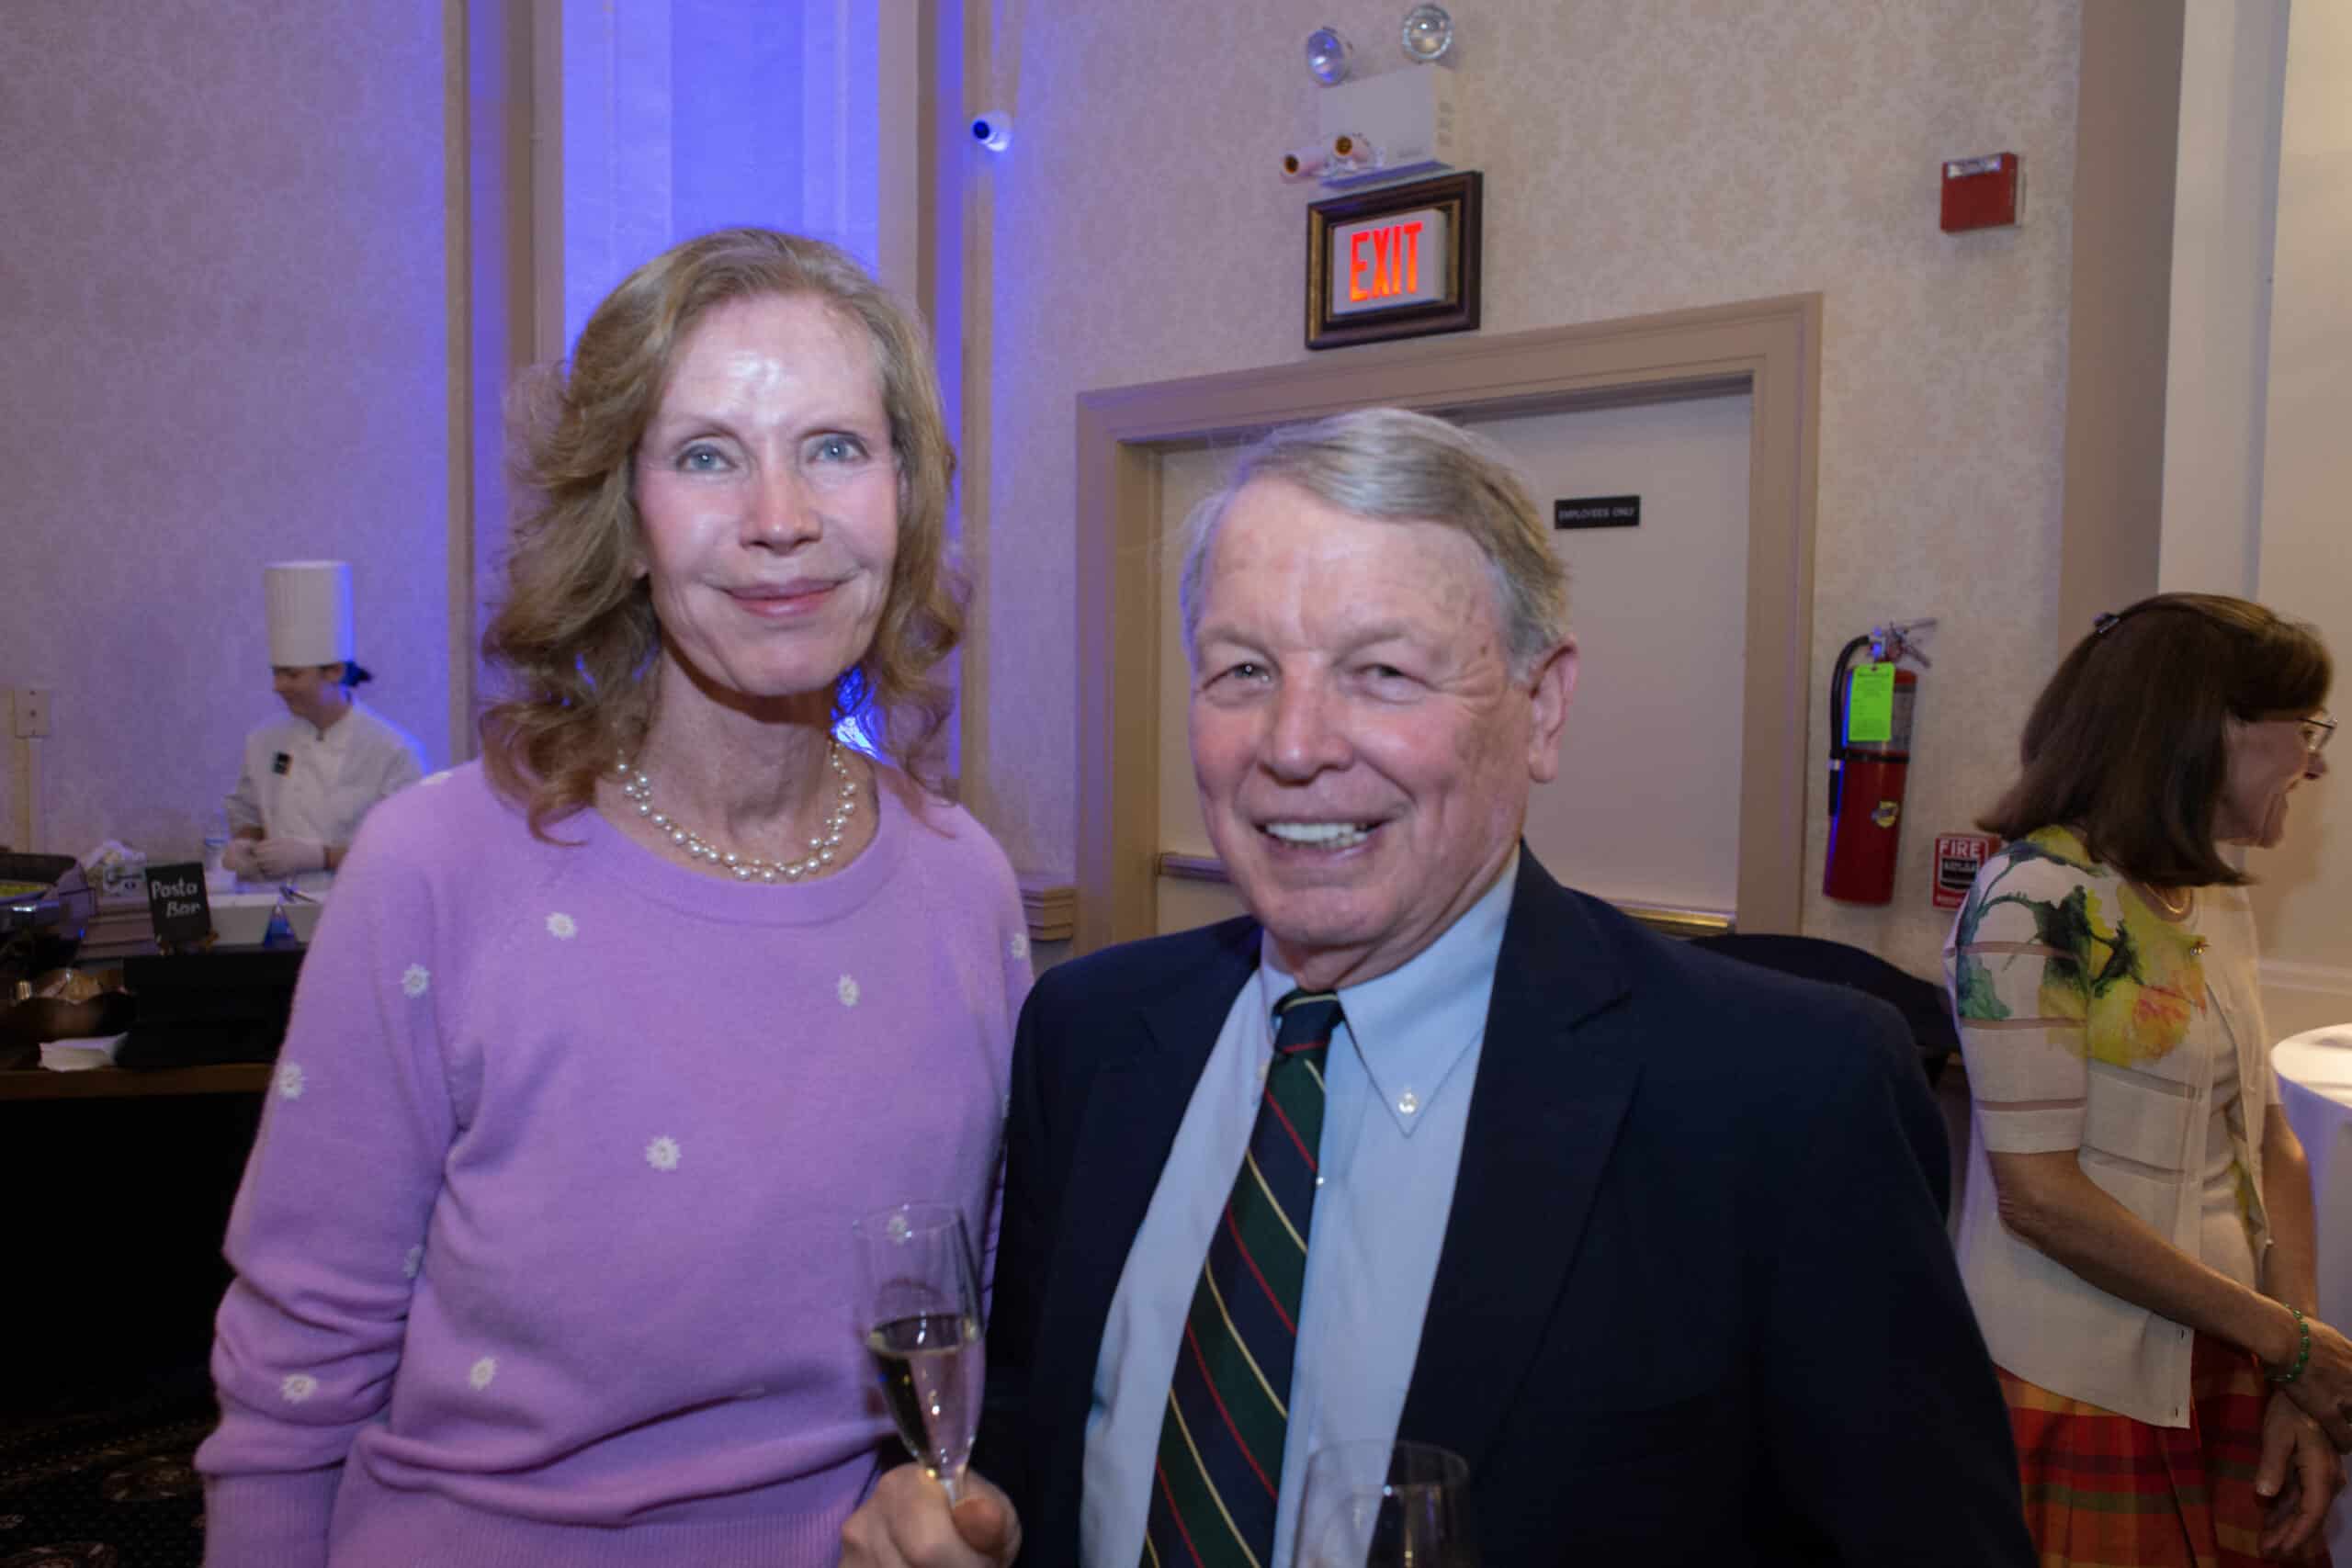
(1318, 1184)
(1407, 1102)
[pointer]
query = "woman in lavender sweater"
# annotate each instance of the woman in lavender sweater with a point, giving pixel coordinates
(543, 1254)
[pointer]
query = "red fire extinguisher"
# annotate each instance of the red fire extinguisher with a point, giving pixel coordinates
(1871, 706)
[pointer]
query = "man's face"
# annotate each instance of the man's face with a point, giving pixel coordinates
(1362, 751)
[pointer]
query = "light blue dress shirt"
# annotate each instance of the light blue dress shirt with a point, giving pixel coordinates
(1398, 1081)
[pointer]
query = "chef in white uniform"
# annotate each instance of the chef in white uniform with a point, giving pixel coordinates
(310, 777)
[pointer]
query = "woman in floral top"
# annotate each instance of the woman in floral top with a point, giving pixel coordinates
(2136, 1233)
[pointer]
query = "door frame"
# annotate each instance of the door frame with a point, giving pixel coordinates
(1769, 349)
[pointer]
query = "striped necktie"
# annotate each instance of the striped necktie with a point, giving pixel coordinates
(1220, 1462)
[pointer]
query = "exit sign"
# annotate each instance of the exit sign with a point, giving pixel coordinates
(1385, 261)
(1399, 261)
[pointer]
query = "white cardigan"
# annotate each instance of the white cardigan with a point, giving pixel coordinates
(2125, 1078)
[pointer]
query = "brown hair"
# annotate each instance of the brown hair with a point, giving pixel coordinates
(576, 636)
(2128, 742)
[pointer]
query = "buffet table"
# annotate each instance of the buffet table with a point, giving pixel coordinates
(119, 1179)
(2315, 1090)
(2315, 1086)
(119, 1083)
(118, 1184)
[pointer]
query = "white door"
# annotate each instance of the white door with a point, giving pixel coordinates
(1646, 810)
(1646, 806)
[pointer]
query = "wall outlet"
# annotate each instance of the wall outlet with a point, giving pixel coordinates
(32, 712)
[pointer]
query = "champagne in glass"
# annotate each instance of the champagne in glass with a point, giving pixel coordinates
(919, 1299)
(1377, 1505)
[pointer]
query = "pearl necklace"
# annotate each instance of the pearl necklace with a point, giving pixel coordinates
(638, 789)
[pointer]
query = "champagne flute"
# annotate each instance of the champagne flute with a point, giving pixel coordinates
(1377, 1505)
(919, 1299)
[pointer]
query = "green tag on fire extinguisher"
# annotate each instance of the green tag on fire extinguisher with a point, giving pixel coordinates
(1870, 704)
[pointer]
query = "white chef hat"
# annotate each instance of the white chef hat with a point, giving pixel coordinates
(309, 612)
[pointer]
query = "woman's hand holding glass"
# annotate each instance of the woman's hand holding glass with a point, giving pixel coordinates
(919, 1303)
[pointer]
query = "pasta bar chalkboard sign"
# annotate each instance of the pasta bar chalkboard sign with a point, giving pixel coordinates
(175, 898)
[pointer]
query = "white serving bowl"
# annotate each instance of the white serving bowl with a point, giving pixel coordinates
(242, 919)
(302, 917)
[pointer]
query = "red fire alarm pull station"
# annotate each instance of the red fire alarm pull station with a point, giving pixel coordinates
(1984, 193)
(1958, 858)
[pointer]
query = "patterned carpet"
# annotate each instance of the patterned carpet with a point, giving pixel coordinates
(108, 1486)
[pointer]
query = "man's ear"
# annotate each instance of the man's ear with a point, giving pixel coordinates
(1554, 688)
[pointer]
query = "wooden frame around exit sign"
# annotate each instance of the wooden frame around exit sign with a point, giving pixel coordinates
(1454, 308)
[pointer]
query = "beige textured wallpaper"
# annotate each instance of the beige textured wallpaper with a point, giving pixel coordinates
(222, 343)
(1637, 158)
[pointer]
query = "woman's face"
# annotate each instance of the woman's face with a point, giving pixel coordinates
(2267, 757)
(311, 692)
(768, 499)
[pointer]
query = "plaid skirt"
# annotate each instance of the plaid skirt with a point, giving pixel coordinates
(2104, 1489)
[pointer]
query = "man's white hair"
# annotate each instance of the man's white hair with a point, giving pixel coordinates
(1395, 466)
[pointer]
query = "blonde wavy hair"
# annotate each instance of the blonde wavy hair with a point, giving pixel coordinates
(574, 641)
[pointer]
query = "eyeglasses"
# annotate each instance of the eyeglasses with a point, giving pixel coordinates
(2318, 730)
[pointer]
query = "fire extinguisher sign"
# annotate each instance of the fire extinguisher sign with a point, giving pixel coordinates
(1958, 856)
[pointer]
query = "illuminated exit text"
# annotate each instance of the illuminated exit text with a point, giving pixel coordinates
(1382, 262)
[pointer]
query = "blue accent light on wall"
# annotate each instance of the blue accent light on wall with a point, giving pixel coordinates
(736, 140)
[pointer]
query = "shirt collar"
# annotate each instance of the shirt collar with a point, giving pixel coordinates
(1411, 1025)
(336, 736)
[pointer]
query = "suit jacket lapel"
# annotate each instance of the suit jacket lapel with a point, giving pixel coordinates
(1134, 1106)
(1545, 1114)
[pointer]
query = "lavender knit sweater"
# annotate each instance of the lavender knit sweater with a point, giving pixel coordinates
(543, 1253)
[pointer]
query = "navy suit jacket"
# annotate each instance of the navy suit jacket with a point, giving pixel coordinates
(1694, 1303)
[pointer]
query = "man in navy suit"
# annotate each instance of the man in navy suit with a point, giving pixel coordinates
(1433, 1150)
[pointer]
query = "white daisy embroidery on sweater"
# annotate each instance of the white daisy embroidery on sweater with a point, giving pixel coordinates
(289, 1080)
(559, 926)
(298, 1387)
(661, 1153)
(484, 1369)
(415, 979)
(1020, 944)
(846, 989)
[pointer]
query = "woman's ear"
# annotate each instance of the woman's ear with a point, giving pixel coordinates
(633, 530)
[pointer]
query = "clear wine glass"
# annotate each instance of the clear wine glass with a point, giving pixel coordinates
(919, 1302)
(1376, 1504)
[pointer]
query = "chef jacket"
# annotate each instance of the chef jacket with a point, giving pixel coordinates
(299, 784)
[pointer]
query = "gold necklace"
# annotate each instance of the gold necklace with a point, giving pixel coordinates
(2172, 910)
